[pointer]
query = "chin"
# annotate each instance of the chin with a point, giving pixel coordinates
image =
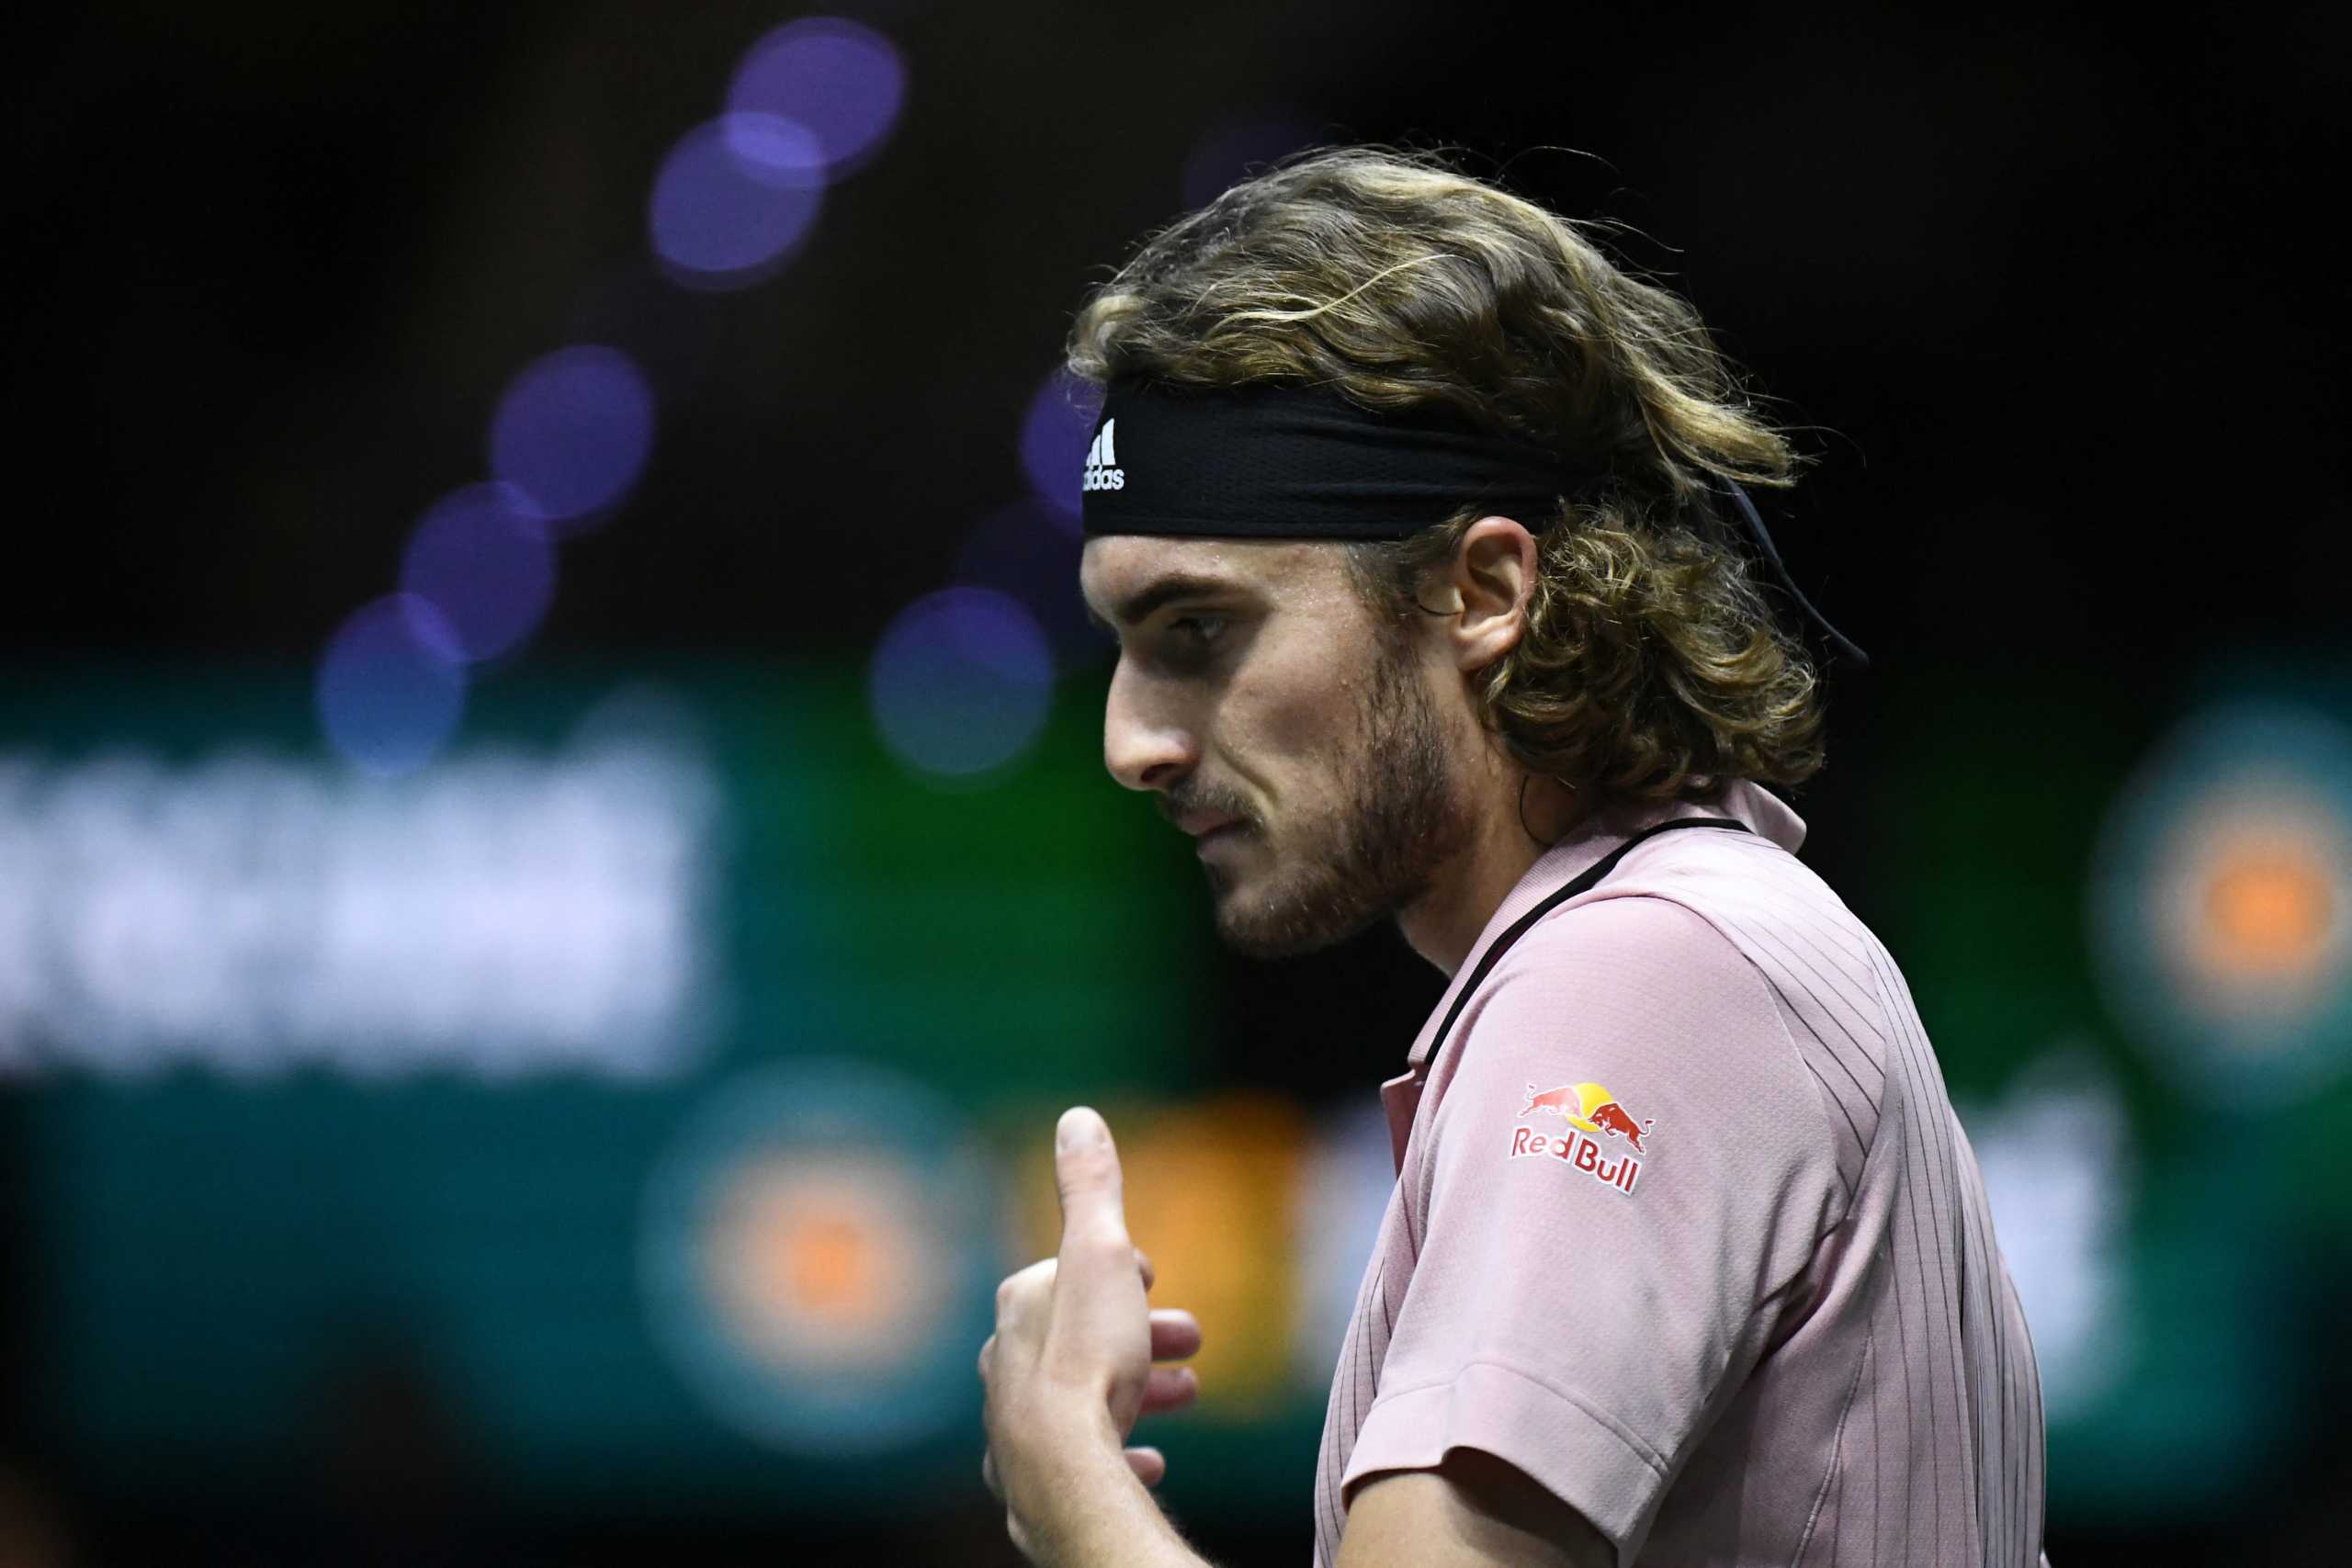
(1253, 942)
(1262, 927)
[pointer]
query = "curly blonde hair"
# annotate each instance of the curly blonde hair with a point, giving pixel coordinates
(1651, 667)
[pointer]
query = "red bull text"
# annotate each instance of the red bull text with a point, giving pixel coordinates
(1576, 1148)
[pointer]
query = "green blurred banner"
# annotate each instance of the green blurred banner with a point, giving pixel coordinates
(472, 1076)
(640, 1101)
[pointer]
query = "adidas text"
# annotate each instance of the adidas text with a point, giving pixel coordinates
(1100, 459)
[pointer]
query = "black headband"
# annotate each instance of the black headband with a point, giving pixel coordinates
(1299, 462)
(1291, 462)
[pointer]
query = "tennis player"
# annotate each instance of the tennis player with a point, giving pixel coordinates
(1421, 527)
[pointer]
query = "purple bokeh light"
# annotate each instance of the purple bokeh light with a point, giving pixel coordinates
(773, 150)
(1237, 145)
(484, 561)
(573, 430)
(961, 683)
(1054, 438)
(391, 688)
(732, 199)
(840, 79)
(1027, 551)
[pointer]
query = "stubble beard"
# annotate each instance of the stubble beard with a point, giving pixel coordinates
(1400, 819)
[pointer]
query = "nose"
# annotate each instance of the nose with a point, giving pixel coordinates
(1146, 742)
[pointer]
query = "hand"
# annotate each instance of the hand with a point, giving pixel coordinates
(1069, 1369)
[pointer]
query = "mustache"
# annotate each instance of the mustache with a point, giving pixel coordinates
(1172, 805)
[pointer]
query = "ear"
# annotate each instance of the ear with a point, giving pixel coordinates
(1492, 578)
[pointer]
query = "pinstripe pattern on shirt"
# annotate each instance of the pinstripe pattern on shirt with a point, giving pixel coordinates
(1891, 1411)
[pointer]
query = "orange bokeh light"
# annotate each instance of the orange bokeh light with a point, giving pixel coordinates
(825, 1263)
(2267, 913)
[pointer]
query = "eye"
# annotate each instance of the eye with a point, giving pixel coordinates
(1204, 630)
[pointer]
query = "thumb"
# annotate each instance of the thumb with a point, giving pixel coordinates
(1098, 1308)
(1086, 1175)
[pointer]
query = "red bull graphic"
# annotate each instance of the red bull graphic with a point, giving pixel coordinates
(1565, 1101)
(1590, 1109)
(1611, 1119)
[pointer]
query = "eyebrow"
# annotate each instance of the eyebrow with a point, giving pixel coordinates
(1161, 591)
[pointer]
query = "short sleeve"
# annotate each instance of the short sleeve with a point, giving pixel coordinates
(1626, 1164)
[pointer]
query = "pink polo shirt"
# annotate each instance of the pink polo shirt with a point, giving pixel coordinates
(1684, 1227)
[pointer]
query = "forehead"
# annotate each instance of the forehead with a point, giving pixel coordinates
(1119, 569)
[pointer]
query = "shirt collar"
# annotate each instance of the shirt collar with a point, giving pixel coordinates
(1750, 805)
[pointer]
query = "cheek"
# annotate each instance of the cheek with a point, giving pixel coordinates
(1286, 720)
(1285, 733)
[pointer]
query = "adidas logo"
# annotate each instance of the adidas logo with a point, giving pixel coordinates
(1101, 458)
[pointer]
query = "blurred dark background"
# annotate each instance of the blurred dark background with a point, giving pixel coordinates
(546, 741)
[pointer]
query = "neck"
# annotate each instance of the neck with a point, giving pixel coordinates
(1445, 922)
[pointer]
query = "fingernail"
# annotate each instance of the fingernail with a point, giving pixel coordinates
(1080, 1128)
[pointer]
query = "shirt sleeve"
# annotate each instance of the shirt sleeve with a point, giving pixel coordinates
(1598, 1274)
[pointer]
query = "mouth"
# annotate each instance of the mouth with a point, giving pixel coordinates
(1221, 841)
(1205, 824)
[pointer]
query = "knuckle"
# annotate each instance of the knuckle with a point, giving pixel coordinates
(1108, 1249)
(1035, 1280)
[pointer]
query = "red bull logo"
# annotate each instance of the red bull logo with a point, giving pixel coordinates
(1593, 1114)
